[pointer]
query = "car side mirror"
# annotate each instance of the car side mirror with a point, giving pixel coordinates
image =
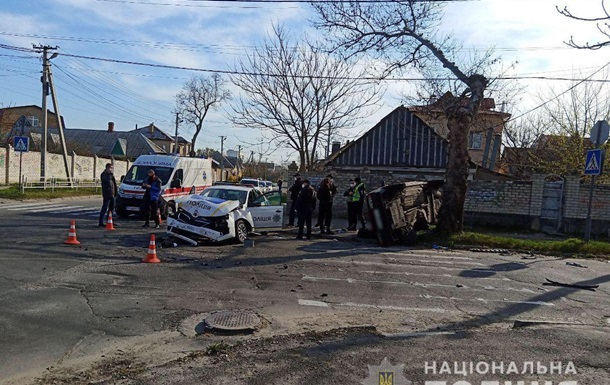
(122, 177)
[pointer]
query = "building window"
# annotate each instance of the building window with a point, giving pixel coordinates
(476, 140)
(33, 120)
(164, 148)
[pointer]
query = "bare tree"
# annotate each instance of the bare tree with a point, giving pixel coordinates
(198, 96)
(299, 95)
(404, 34)
(602, 25)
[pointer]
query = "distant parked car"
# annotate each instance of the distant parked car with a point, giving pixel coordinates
(256, 183)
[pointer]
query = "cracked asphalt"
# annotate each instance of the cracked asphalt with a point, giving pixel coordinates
(331, 307)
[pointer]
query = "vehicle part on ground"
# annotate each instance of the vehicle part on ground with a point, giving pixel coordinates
(233, 320)
(398, 211)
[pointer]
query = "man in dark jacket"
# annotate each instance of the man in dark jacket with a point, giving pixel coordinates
(326, 192)
(294, 191)
(109, 191)
(151, 198)
(305, 205)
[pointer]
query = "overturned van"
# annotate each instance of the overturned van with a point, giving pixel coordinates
(179, 176)
(225, 212)
(398, 211)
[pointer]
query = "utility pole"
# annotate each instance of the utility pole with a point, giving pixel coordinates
(222, 157)
(178, 121)
(49, 87)
(45, 91)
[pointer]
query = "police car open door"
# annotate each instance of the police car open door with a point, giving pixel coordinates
(267, 211)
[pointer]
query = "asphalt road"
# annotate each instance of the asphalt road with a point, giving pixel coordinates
(71, 314)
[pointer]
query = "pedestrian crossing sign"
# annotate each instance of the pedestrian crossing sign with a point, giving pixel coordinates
(21, 143)
(593, 164)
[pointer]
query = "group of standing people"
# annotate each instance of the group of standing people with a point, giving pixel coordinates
(152, 194)
(303, 203)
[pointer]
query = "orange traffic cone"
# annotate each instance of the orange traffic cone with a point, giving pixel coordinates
(72, 235)
(159, 216)
(109, 224)
(151, 256)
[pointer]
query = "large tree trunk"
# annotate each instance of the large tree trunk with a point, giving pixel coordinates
(303, 159)
(460, 117)
(451, 214)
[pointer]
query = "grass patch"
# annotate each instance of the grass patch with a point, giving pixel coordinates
(566, 246)
(215, 349)
(13, 192)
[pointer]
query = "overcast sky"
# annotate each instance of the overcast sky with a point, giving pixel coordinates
(211, 35)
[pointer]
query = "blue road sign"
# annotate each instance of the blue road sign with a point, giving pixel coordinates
(593, 164)
(21, 143)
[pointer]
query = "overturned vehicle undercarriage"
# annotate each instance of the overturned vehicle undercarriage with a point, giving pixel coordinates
(398, 211)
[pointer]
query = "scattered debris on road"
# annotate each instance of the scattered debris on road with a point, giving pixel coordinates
(576, 265)
(497, 251)
(572, 285)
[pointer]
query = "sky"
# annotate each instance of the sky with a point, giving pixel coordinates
(212, 35)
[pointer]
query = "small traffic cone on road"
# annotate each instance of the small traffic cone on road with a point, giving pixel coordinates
(109, 224)
(151, 256)
(159, 216)
(72, 235)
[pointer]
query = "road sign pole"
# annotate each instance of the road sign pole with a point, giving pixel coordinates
(588, 223)
(20, 175)
(598, 137)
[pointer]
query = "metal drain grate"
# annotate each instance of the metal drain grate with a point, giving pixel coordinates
(231, 320)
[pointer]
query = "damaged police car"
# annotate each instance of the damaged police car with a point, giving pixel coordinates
(225, 212)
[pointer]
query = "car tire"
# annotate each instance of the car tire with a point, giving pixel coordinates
(241, 231)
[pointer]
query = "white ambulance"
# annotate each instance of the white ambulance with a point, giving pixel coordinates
(180, 176)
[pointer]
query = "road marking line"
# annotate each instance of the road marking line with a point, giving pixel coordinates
(423, 255)
(389, 307)
(82, 208)
(306, 302)
(88, 211)
(367, 263)
(419, 284)
(20, 205)
(429, 275)
(52, 208)
(28, 208)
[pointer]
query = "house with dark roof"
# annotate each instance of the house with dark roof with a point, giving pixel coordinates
(402, 146)
(164, 141)
(88, 142)
(232, 166)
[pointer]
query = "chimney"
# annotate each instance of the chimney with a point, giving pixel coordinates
(152, 128)
(110, 126)
(336, 147)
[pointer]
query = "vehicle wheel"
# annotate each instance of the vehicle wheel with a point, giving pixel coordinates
(241, 231)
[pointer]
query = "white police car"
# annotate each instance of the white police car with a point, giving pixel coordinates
(224, 212)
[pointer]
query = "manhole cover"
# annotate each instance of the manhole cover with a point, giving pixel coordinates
(233, 320)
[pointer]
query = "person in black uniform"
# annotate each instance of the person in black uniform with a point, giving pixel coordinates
(306, 204)
(326, 192)
(351, 206)
(294, 191)
(109, 191)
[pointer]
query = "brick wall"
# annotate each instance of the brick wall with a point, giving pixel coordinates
(519, 204)
(85, 168)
